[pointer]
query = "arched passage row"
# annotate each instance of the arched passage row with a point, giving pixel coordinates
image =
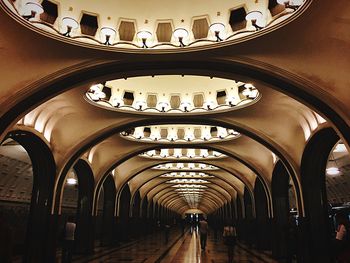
(44, 228)
(288, 235)
(133, 214)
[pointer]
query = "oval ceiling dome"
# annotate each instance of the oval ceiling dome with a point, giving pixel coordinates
(154, 25)
(172, 94)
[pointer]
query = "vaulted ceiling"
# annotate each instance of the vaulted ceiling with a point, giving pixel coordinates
(187, 127)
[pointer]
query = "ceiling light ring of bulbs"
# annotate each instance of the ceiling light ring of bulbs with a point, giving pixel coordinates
(153, 110)
(218, 39)
(220, 138)
(39, 9)
(186, 181)
(186, 110)
(215, 155)
(119, 43)
(186, 174)
(250, 94)
(122, 43)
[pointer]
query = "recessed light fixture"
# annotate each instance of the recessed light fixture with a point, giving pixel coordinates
(117, 102)
(217, 29)
(290, 4)
(333, 171)
(181, 34)
(70, 24)
(71, 178)
(163, 106)
(210, 104)
(108, 34)
(254, 17)
(32, 9)
(96, 93)
(140, 105)
(144, 36)
(340, 148)
(71, 181)
(185, 106)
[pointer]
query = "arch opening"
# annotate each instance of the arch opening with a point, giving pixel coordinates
(36, 164)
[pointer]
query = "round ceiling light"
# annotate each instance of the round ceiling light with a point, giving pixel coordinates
(333, 171)
(33, 9)
(217, 29)
(69, 24)
(108, 34)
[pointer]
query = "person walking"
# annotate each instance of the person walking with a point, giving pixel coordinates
(203, 231)
(166, 233)
(68, 240)
(230, 236)
(183, 226)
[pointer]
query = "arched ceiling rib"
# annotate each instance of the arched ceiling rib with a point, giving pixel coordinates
(173, 195)
(159, 190)
(210, 197)
(138, 182)
(175, 204)
(147, 186)
(169, 195)
(277, 120)
(130, 169)
(209, 206)
(284, 61)
(269, 98)
(205, 191)
(103, 155)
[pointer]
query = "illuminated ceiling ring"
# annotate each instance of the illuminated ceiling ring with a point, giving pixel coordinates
(106, 35)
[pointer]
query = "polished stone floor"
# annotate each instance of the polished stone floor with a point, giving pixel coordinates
(215, 252)
(178, 249)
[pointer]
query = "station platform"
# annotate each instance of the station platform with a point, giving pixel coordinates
(179, 248)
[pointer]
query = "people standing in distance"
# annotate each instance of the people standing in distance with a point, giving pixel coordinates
(342, 238)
